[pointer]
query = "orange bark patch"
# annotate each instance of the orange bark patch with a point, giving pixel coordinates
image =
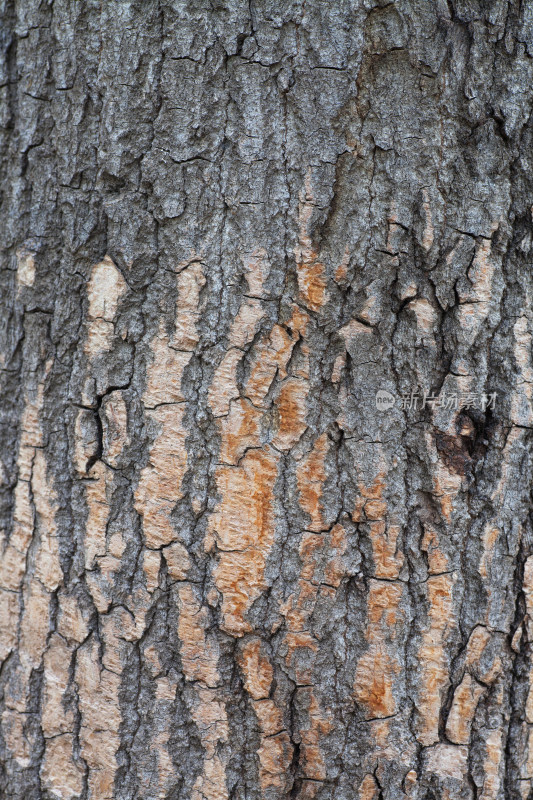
(292, 413)
(275, 756)
(384, 533)
(312, 283)
(388, 561)
(376, 670)
(275, 750)
(311, 273)
(368, 790)
(160, 480)
(240, 430)
(437, 561)
(433, 659)
(374, 682)
(243, 527)
(342, 270)
(318, 725)
(310, 477)
(463, 708)
(199, 654)
(243, 329)
(321, 557)
(269, 716)
(271, 357)
(257, 670)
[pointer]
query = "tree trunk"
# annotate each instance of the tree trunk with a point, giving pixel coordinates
(266, 400)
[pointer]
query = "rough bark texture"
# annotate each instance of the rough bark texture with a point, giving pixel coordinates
(224, 226)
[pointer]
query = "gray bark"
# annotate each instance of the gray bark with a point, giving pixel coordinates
(225, 572)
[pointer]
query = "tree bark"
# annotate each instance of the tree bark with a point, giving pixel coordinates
(227, 572)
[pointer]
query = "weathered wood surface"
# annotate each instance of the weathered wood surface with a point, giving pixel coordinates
(224, 226)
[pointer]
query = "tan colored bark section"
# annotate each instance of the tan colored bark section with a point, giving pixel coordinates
(475, 301)
(224, 386)
(291, 409)
(59, 772)
(312, 281)
(323, 568)
(160, 481)
(377, 669)
(527, 630)
(493, 762)
(446, 481)
(97, 680)
(270, 359)
(99, 683)
(368, 789)
(157, 493)
(29, 585)
(275, 750)
(310, 477)
(98, 689)
(198, 652)
(522, 402)
(433, 657)
(240, 431)
(383, 527)
(25, 267)
(242, 527)
(13, 562)
(447, 761)
(465, 700)
(104, 291)
(114, 417)
(199, 655)
(102, 556)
